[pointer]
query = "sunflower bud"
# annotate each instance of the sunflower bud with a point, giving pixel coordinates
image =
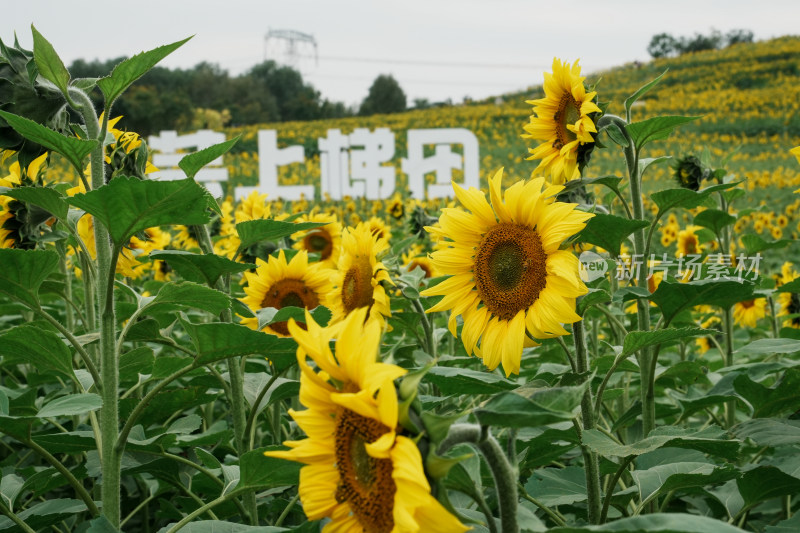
(689, 172)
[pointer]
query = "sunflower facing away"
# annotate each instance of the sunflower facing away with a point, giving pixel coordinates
(359, 471)
(278, 284)
(507, 274)
(563, 120)
(357, 283)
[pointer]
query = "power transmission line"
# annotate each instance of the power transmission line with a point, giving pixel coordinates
(425, 63)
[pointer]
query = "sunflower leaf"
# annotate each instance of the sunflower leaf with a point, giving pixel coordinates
(74, 149)
(23, 271)
(127, 205)
(200, 268)
(636, 340)
(47, 61)
(130, 70)
(222, 340)
(655, 129)
(754, 244)
(672, 297)
(193, 162)
(261, 472)
(38, 347)
(714, 219)
(546, 406)
(686, 198)
(47, 198)
(641, 91)
(255, 231)
(609, 231)
(185, 294)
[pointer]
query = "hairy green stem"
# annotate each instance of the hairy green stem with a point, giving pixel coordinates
(555, 516)
(505, 479)
(427, 327)
(613, 483)
(197, 512)
(587, 417)
(85, 357)
(730, 405)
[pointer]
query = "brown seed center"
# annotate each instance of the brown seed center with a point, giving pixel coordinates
(365, 482)
(357, 285)
(286, 293)
(510, 269)
(569, 111)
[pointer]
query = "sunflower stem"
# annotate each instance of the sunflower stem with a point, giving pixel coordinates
(236, 373)
(587, 417)
(109, 371)
(426, 326)
(640, 247)
(505, 478)
(730, 405)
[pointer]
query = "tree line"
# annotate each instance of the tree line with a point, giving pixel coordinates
(666, 45)
(206, 96)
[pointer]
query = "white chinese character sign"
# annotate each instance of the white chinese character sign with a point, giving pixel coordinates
(354, 165)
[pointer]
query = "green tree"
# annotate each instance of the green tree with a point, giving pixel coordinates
(385, 96)
(662, 45)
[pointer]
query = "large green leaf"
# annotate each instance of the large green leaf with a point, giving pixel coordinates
(636, 340)
(714, 219)
(769, 347)
(254, 231)
(783, 398)
(132, 69)
(221, 340)
(218, 526)
(544, 406)
(655, 129)
(685, 198)
(23, 271)
(44, 514)
(73, 148)
(754, 243)
(662, 479)
(38, 347)
(128, 205)
(672, 297)
(200, 268)
(658, 523)
(609, 231)
(708, 441)
(47, 61)
(184, 295)
(769, 431)
(71, 404)
(259, 472)
(193, 162)
(763, 483)
(47, 198)
(558, 486)
(453, 380)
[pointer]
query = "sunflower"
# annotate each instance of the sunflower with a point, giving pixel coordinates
(789, 301)
(127, 265)
(16, 231)
(508, 276)
(564, 121)
(689, 242)
(360, 472)
(416, 258)
(357, 282)
(378, 228)
(325, 240)
(254, 207)
(278, 284)
(748, 312)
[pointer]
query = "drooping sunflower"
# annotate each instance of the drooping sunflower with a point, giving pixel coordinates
(508, 278)
(278, 284)
(564, 121)
(357, 282)
(748, 312)
(360, 472)
(325, 240)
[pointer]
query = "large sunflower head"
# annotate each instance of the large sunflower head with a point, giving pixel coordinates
(361, 473)
(325, 240)
(564, 120)
(747, 313)
(508, 277)
(357, 283)
(689, 242)
(278, 284)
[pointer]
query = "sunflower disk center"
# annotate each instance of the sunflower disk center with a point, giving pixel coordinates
(365, 482)
(319, 242)
(569, 112)
(289, 292)
(357, 285)
(510, 269)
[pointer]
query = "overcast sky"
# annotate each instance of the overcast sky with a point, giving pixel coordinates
(436, 49)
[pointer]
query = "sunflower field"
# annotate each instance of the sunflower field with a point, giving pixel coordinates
(604, 337)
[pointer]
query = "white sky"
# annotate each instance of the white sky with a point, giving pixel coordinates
(477, 48)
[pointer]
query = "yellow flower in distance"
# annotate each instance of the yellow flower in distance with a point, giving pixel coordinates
(562, 121)
(325, 240)
(507, 274)
(748, 312)
(279, 284)
(357, 283)
(689, 242)
(360, 472)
